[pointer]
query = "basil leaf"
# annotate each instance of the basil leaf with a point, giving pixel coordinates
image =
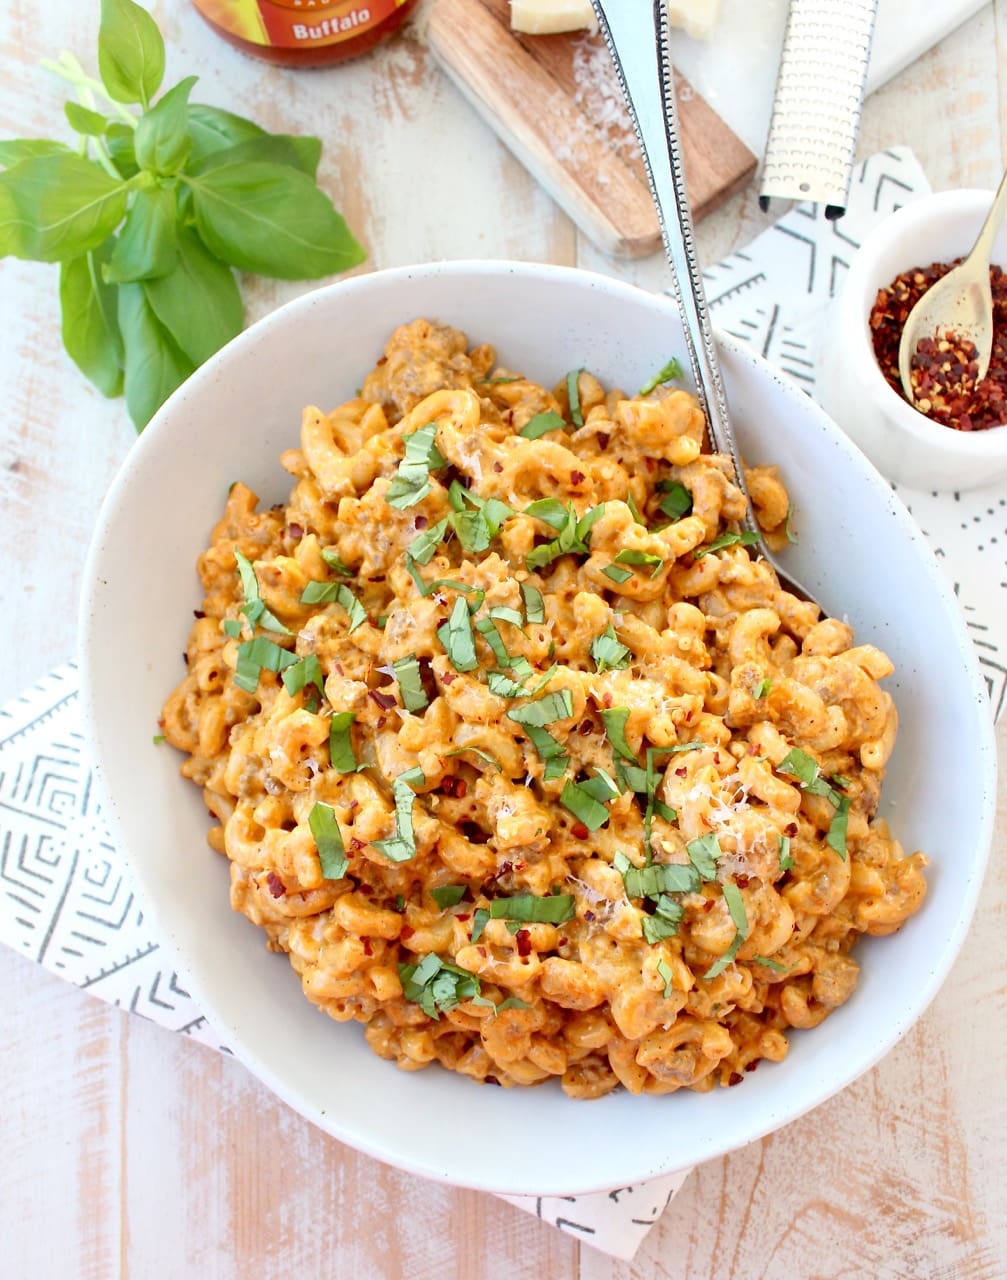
(480, 919)
(472, 530)
(231, 627)
(198, 302)
(786, 861)
(448, 895)
(836, 839)
(254, 607)
(57, 206)
(617, 574)
(90, 325)
(272, 220)
(457, 638)
(81, 120)
(554, 706)
(634, 509)
(770, 964)
(325, 592)
(503, 613)
(503, 686)
(407, 672)
(328, 841)
(671, 372)
(483, 755)
(401, 847)
(663, 924)
(437, 986)
(341, 755)
(14, 150)
(657, 878)
(615, 719)
(147, 244)
(677, 500)
(278, 148)
(736, 906)
(665, 974)
(155, 366)
(541, 424)
(584, 807)
(643, 558)
(254, 655)
(747, 539)
(703, 854)
(602, 786)
(332, 559)
(411, 482)
(212, 129)
(790, 535)
(548, 750)
(422, 548)
(800, 766)
(529, 908)
(130, 52)
(587, 522)
(552, 512)
(573, 396)
(608, 652)
(119, 139)
(763, 688)
(534, 605)
(300, 674)
(162, 139)
(488, 630)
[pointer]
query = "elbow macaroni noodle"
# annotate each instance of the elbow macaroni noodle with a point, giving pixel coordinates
(709, 679)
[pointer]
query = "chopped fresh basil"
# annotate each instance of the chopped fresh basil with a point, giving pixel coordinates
(407, 673)
(704, 853)
(480, 919)
(543, 680)
(534, 605)
(836, 839)
(736, 906)
(549, 750)
(254, 607)
(615, 730)
(790, 535)
(488, 630)
(786, 861)
(552, 512)
(542, 424)
(798, 764)
(763, 688)
(747, 539)
(520, 668)
(657, 879)
(502, 613)
(642, 558)
(472, 530)
(335, 563)
(503, 686)
(326, 592)
(158, 739)
(512, 1002)
(617, 574)
(573, 531)
(554, 706)
(573, 396)
(802, 767)
(478, 527)
(254, 655)
(411, 482)
(457, 638)
(664, 922)
(231, 627)
(634, 509)
(483, 755)
(299, 674)
(677, 500)
(436, 985)
(529, 908)
(448, 895)
(328, 841)
(665, 974)
(584, 807)
(602, 786)
(341, 755)
(770, 964)
(423, 546)
(608, 652)
(402, 846)
(671, 372)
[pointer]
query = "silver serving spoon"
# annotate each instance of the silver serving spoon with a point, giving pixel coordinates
(639, 39)
(960, 302)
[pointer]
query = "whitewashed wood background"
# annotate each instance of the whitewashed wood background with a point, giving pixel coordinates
(129, 1152)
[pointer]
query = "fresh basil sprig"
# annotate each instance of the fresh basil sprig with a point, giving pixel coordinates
(152, 212)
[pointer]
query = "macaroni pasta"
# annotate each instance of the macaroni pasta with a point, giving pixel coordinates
(517, 752)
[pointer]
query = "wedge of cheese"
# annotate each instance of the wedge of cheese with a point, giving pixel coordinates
(547, 17)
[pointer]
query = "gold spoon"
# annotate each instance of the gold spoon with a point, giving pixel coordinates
(960, 302)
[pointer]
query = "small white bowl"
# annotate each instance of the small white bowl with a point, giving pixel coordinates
(858, 550)
(903, 444)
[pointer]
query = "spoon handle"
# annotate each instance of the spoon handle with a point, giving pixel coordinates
(640, 44)
(982, 250)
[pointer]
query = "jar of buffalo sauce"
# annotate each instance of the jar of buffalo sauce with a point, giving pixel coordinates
(305, 33)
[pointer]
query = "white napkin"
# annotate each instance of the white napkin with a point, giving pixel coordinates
(66, 896)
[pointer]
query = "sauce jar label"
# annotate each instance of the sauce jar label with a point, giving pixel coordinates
(296, 24)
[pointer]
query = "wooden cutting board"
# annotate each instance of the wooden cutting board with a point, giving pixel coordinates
(556, 103)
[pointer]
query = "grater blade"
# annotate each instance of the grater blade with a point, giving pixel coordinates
(819, 95)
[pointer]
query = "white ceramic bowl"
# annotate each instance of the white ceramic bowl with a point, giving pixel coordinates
(903, 444)
(858, 549)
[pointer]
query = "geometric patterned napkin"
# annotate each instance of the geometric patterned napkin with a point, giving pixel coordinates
(66, 896)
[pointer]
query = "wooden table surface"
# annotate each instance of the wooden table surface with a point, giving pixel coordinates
(131, 1152)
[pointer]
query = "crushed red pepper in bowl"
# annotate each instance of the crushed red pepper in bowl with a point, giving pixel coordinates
(945, 368)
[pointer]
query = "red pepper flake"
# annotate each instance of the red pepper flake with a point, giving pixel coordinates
(523, 940)
(753, 1064)
(420, 522)
(577, 477)
(498, 467)
(276, 886)
(791, 829)
(368, 949)
(606, 700)
(461, 788)
(352, 807)
(562, 942)
(491, 1080)
(448, 678)
(406, 932)
(589, 917)
(579, 831)
(708, 905)
(755, 748)
(681, 772)
(355, 844)
(384, 700)
(198, 613)
(467, 915)
(586, 727)
(741, 881)
(603, 438)
(734, 1078)
(482, 952)
(295, 531)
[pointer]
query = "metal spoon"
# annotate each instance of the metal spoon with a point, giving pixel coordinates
(960, 302)
(640, 44)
